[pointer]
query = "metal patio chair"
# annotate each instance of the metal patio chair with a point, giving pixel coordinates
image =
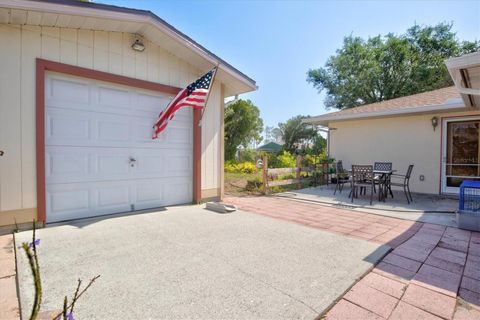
(362, 178)
(341, 175)
(405, 183)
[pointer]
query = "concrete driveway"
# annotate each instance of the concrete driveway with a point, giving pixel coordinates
(186, 262)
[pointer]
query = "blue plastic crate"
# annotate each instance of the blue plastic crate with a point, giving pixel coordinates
(470, 196)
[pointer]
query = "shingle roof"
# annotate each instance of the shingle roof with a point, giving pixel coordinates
(429, 98)
(270, 147)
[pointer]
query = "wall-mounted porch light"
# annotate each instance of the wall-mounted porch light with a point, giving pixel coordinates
(434, 121)
(138, 46)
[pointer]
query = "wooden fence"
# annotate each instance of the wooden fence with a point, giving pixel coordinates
(270, 176)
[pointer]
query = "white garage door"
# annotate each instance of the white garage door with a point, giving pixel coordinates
(100, 158)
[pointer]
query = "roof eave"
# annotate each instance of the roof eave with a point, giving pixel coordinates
(324, 120)
(459, 70)
(95, 10)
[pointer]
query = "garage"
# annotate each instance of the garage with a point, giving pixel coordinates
(81, 85)
(99, 154)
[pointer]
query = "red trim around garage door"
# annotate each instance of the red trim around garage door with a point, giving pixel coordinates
(45, 65)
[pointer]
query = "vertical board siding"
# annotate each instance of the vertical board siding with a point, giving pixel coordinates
(68, 46)
(128, 56)
(31, 48)
(10, 119)
(85, 48)
(51, 43)
(105, 51)
(210, 140)
(100, 50)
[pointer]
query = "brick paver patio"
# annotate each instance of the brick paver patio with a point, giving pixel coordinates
(433, 271)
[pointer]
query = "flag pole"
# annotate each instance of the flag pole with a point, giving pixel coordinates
(208, 94)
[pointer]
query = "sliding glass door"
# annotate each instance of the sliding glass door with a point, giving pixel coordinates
(461, 153)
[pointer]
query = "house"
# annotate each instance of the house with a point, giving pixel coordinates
(81, 86)
(271, 147)
(437, 131)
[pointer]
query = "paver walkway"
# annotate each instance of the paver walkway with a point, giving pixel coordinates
(8, 287)
(433, 271)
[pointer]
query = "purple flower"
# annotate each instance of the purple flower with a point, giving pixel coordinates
(69, 316)
(37, 242)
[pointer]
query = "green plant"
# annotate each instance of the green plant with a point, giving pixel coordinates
(17, 228)
(254, 184)
(242, 167)
(287, 176)
(247, 155)
(286, 160)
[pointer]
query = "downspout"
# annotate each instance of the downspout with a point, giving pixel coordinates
(328, 143)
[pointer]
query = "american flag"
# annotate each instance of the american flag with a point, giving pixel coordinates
(194, 95)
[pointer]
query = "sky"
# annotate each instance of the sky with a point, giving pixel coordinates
(277, 42)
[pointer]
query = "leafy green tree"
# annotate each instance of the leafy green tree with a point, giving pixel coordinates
(318, 145)
(296, 134)
(243, 126)
(390, 66)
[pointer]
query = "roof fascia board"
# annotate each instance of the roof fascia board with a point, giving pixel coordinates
(141, 17)
(465, 61)
(384, 114)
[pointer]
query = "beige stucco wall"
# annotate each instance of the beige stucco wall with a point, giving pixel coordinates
(104, 51)
(402, 140)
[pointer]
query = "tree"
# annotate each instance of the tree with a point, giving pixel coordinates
(273, 134)
(243, 126)
(296, 134)
(390, 66)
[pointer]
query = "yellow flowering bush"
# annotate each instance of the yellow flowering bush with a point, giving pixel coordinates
(241, 167)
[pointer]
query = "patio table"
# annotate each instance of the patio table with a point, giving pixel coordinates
(384, 174)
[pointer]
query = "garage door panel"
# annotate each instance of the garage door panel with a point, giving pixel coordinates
(111, 129)
(178, 192)
(183, 115)
(68, 92)
(149, 194)
(113, 100)
(179, 135)
(176, 136)
(74, 163)
(162, 163)
(81, 164)
(149, 105)
(111, 165)
(67, 201)
(113, 195)
(100, 156)
(142, 133)
(179, 165)
(65, 127)
(77, 164)
(83, 128)
(150, 165)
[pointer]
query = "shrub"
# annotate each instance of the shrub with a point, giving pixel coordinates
(254, 184)
(286, 160)
(242, 167)
(247, 155)
(272, 160)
